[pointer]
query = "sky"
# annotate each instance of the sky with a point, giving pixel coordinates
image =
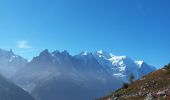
(139, 29)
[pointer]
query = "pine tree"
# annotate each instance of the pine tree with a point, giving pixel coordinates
(131, 78)
(167, 67)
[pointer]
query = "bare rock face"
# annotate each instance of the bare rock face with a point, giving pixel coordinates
(10, 63)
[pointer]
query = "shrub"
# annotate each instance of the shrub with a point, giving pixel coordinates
(125, 85)
(131, 78)
(167, 67)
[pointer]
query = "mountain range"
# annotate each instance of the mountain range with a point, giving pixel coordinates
(59, 75)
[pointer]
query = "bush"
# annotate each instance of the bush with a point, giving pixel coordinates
(125, 85)
(131, 78)
(167, 67)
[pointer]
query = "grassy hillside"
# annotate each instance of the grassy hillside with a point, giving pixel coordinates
(154, 86)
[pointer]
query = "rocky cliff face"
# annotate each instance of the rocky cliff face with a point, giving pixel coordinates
(10, 63)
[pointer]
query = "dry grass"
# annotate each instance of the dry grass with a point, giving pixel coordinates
(154, 82)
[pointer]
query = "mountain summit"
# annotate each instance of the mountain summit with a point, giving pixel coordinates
(10, 63)
(122, 66)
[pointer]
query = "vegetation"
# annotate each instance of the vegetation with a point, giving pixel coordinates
(131, 78)
(125, 85)
(167, 67)
(152, 84)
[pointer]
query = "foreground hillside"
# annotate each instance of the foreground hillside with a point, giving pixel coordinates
(9, 91)
(154, 86)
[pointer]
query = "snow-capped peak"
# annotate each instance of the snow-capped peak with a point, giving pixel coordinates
(139, 63)
(84, 53)
(100, 52)
(118, 57)
(121, 66)
(103, 54)
(13, 57)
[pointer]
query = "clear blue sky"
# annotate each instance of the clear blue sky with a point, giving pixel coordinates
(139, 29)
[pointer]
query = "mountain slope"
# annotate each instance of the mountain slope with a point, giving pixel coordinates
(154, 86)
(9, 91)
(10, 63)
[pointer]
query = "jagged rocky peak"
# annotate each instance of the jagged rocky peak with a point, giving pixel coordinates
(102, 53)
(47, 56)
(65, 53)
(10, 62)
(56, 52)
(5, 53)
(59, 53)
(85, 53)
(44, 56)
(9, 56)
(45, 53)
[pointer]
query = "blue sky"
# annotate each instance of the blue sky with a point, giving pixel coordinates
(139, 29)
